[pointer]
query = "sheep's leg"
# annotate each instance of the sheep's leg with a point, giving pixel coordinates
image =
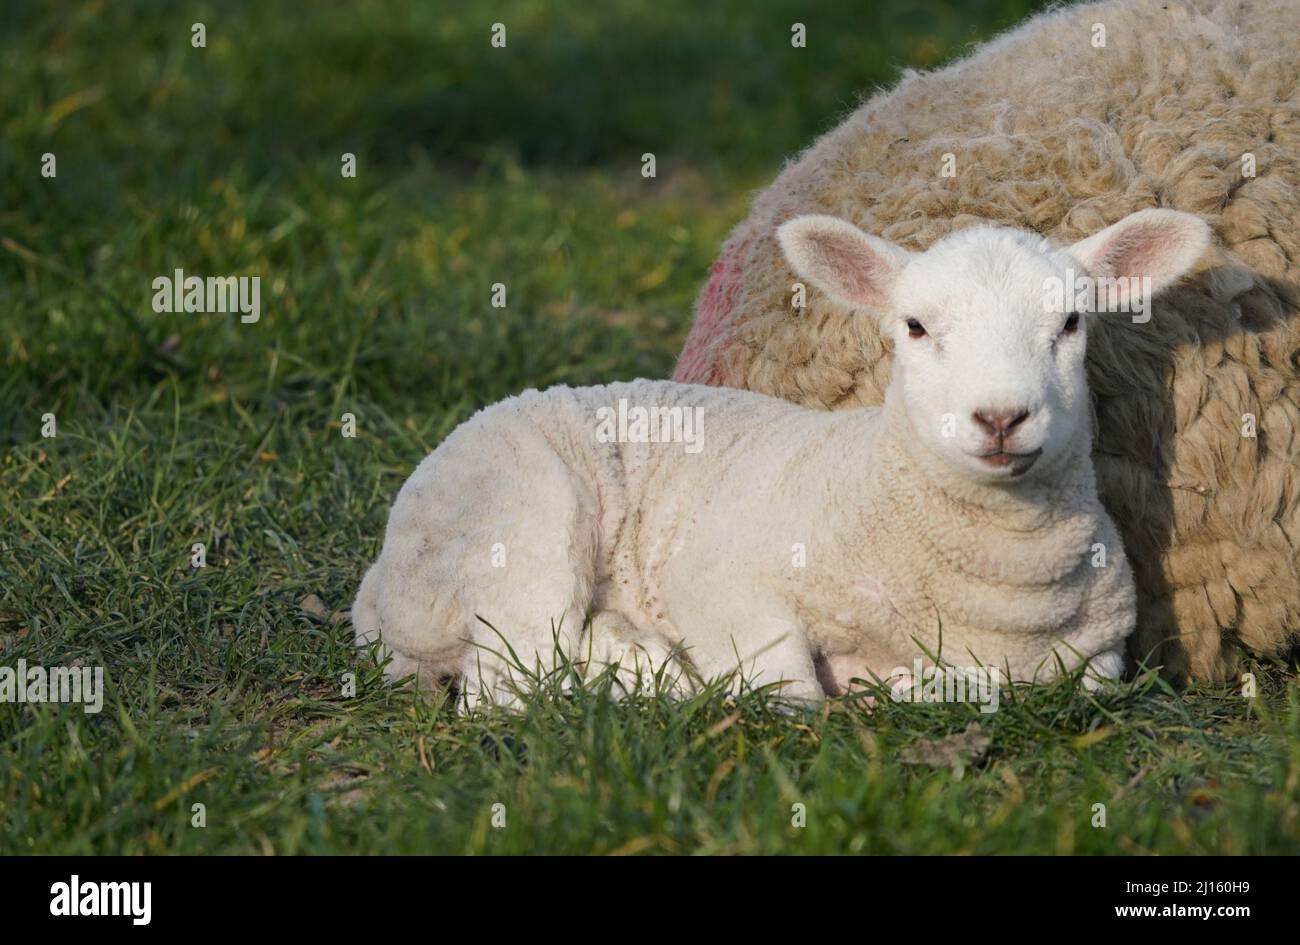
(488, 564)
(510, 651)
(760, 648)
(383, 613)
(526, 626)
(613, 640)
(499, 634)
(1103, 668)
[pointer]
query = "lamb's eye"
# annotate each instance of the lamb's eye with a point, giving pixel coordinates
(915, 329)
(1072, 323)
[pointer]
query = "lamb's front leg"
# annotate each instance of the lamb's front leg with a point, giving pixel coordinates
(1103, 668)
(643, 660)
(756, 639)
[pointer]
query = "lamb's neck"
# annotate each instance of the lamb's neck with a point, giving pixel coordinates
(1030, 532)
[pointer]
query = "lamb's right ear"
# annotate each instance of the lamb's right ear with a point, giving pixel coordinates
(852, 267)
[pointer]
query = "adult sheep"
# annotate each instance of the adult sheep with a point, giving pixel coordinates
(1191, 105)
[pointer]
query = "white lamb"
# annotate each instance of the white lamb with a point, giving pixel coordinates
(786, 545)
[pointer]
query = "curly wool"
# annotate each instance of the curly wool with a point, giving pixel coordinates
(1050, 133)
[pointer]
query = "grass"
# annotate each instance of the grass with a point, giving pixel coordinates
(475, 166)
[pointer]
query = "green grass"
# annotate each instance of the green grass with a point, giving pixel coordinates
(476, 166)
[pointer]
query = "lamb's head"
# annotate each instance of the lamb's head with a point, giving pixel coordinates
(989, 325)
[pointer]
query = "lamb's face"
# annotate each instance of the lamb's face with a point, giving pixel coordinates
(989, 365)
(989, 325)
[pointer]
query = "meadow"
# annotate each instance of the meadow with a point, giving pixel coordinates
(226, 685)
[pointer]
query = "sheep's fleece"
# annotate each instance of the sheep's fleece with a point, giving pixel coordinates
(1050, 132)
(521, 517)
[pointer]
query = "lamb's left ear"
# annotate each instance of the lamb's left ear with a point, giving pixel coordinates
(1158, 244)
(853, 268)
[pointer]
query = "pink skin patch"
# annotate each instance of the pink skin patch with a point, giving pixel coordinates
(700, 361)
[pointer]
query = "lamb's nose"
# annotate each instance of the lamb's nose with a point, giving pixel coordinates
(999, 423)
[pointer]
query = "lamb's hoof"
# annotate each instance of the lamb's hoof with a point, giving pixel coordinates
(1103, 670)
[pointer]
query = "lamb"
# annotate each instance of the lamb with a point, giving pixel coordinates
(961, 519)
(1075, 119)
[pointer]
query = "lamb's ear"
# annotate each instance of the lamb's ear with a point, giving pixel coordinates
(850, 266)
(1157, 244)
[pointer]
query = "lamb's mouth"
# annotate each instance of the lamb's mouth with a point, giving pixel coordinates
(1016, 463)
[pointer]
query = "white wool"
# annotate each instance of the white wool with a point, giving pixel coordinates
(793, 545)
